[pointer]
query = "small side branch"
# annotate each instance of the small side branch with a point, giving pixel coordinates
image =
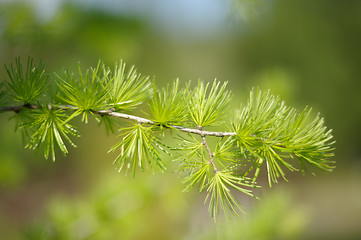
(211, 155)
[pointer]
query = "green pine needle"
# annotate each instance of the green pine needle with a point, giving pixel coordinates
(227, 152)
(209, 107)
(275, 134)
(220, 195)
(192, 154)
(109, 123)
(29, 86)
(128, 88)
(50, 129)
(168, 106)
(86, 93)
(139, 147)
(23, 121)
(200, 176)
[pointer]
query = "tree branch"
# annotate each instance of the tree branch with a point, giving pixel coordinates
(112, 113)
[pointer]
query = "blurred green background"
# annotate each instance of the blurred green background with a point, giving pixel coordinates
(308, 52)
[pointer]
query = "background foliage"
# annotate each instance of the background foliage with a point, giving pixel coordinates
(306, 51)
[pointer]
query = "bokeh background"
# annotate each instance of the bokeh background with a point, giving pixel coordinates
(308, 52)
